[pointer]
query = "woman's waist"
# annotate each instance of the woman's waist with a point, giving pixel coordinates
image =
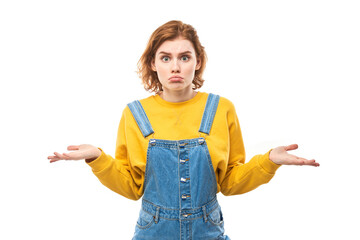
(178, 213)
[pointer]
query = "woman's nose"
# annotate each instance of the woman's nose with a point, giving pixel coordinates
(175, 66)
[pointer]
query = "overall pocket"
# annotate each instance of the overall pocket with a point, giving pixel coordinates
(216, 217)
(145, 220)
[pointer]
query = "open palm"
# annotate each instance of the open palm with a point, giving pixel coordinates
(280, 155)
(82, 151)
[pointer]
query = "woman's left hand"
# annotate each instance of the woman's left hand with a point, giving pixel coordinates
(280, 155)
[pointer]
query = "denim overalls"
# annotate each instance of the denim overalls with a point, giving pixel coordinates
(179, 201)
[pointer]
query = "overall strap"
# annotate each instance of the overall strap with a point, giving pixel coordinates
(209, 113)
(141, 119)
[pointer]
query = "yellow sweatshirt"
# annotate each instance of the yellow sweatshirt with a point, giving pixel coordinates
(125, 173)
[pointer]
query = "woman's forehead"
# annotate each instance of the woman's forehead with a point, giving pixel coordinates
(176, 46)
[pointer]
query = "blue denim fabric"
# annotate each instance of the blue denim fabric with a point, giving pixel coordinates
(180, 186)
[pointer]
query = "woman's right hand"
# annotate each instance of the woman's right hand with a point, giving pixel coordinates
(82, 151)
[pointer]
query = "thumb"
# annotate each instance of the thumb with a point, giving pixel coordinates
(291, 147)
(73, 147)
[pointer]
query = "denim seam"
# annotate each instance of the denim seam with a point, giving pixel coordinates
(145, 121)
(203, 125)
(179, 183)
(188, 173)
(172, 209)
(147, 225)
(146, 167)
(209, 113)
(141, 118)
(209, 205)
(136, 115)
(213, 111)
(211, 220)
(173, 219)
(216, 224)
(210, 162)
(190, 230)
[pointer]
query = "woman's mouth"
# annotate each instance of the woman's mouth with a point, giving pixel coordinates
(176, 79)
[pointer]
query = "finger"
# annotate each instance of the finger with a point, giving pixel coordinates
(54, 160)
(311, 163)
(52, 157)
(60, 156)
(302, 161)
(293, 160)
(73, 147)
(291, 147)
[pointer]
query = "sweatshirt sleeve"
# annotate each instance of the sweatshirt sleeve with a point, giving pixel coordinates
(116, 173)
(243, 177)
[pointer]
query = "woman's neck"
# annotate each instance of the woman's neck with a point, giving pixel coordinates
(177, 96)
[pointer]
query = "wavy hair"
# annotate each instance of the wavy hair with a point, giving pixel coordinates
(169, 31)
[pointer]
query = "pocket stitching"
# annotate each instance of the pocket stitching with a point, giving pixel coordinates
(147, 225)
(212, 221)
(217, 224)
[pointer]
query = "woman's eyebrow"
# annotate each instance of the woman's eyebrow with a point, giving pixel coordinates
(162, 52)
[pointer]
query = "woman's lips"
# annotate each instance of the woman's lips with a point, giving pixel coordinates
(175, 79)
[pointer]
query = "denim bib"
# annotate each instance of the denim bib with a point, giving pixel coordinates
(179, 200)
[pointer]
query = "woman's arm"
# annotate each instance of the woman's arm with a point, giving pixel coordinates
(114, 173)
(243, 177)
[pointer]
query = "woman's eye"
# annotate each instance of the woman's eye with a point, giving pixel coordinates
(165, 59)
(184, 58)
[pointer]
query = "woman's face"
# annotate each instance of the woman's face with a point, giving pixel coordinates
(175, 63)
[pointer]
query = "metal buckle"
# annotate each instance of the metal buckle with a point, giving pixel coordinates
(152, 142)
(202, 138)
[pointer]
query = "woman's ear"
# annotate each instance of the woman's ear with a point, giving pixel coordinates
(198, 65)
(153, 65)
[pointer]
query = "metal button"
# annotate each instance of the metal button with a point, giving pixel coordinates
(183, 144)
(182, 161)
(185, 196)
(184, 179)
(201, 140)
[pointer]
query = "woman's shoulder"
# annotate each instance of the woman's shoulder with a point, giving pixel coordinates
(225, 103)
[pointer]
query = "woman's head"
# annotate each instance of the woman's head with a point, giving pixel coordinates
(170, 31)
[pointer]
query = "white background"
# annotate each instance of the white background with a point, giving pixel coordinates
(67, 71)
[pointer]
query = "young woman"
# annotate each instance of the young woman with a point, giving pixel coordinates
(179, 147)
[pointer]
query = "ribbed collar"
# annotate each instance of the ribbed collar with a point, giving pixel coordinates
(158, 99)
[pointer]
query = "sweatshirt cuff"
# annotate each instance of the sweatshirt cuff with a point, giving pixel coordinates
(99, 163)
(268, 165)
